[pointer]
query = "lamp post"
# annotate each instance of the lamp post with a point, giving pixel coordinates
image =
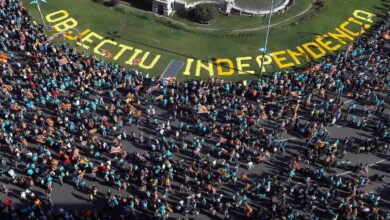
(36, 2)
(266, 38)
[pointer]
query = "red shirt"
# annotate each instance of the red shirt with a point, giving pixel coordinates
(7, 202)
(32, 85)
(254, 93)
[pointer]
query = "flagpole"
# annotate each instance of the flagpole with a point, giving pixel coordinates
(40, 12)
(36, 2)
(266, 38)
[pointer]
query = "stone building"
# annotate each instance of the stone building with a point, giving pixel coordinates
(163, 7)
(167, 7)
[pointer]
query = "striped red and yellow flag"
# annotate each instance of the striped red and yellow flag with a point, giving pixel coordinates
(3, 57)
(63, 61)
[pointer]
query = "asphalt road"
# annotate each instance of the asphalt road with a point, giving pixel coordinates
(67, 196)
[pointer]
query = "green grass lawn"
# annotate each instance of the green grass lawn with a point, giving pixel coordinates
(148, 33)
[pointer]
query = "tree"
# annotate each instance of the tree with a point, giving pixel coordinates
(204, 13)
(318, 4)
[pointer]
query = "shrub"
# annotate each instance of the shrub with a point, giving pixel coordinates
(318, 4)
(114, 2)
(99, 1)
(204, 13)
(120, 9)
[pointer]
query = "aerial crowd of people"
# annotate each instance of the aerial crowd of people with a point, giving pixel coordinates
(154, 148)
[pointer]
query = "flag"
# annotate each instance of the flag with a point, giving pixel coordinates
(105, 52)
(171, 79)
(159, 97)
(108, 54)
(128, 100)
(112, 108)
(150, 90)
(136, 61)
(68, 34)
(66, 106)
(54, 164)
(3, 57)
(222, 140)
(153, 88)
(29, 95)
(133, 109)
(41, 139)
(317, 67)
(63, 61)
(138, 113)
(85, 160)
(37, 202)
(50, 39)
(15, 107)
(76, 153)
(137, 88)
(115, 150)
(8, 87)
(202, 109)
(386, 36)
(81, 175)
(130, 96)
(50, 122)
(294, 93)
